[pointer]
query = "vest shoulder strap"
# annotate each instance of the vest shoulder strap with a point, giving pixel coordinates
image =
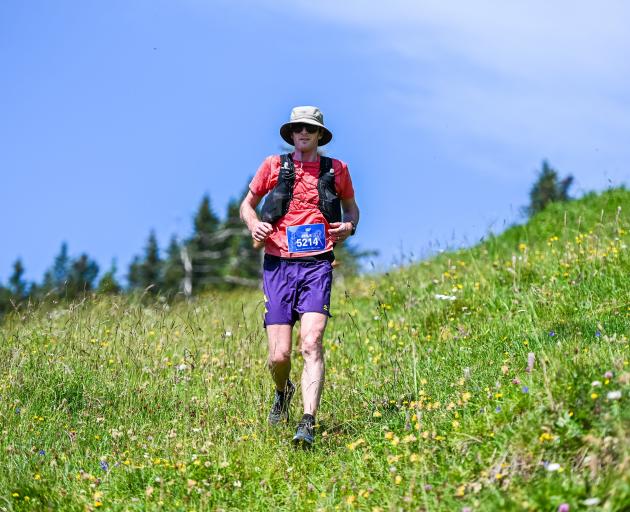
(286, 161)
(325, 165)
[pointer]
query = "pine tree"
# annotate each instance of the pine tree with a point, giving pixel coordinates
(108, 283)
(242, 262)
(83, 272)
(17, 286)
(151, 268)
(57, 276)
(146, 273)
(548, 188)
(5, 301)
(134, 274)
(205, 248)
(173, 269)
(348, 257)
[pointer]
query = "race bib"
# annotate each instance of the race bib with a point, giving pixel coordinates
(306, 238)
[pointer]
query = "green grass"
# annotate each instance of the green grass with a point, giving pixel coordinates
(114, 404)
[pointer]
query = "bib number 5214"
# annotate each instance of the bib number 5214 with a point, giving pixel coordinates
(306, 238)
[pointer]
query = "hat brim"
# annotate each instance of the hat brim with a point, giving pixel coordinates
(285, 131)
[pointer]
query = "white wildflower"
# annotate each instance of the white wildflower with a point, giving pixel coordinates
(444, 297)
(531, 360)
(553, 466)
(613, 395)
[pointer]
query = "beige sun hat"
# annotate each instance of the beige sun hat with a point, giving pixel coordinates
(306, 115)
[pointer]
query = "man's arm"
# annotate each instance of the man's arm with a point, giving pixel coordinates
(342, 230)
(259, 230)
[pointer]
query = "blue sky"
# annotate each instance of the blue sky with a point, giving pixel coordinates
(116, 117)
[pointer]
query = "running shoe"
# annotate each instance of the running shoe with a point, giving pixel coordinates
(305, 435)
(281, 402)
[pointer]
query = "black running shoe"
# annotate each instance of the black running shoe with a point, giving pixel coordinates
(281, 402)
(305, 435)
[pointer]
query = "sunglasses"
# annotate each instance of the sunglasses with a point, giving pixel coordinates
(298, 127)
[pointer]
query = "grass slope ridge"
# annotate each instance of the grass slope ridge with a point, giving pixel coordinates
(494, 378)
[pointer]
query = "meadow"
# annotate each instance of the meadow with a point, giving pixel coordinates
(491, 378)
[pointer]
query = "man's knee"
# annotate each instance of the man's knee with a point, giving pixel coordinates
(311, 347)
(279, 357)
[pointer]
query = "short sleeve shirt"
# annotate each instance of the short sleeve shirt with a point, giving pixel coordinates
(303, 208)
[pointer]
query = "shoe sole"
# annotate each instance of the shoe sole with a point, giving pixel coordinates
(302, 442)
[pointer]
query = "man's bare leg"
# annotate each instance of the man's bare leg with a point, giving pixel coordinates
(312, 326)
(279, 338)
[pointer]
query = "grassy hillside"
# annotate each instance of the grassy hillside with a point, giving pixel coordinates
(495, 378)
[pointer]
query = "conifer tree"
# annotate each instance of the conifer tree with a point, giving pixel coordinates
(242, 262)
(57, 276)
(5, 300)
(17, 286)
(146, 272)
(108, 284)
(83, 272)
(348, 257)
(548, 188)
(134, 274)
(173, 269)
(205, 248)
(151, 268)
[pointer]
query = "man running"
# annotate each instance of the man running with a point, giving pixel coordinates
(301, 221)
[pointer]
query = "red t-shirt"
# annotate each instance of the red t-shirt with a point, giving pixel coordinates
(303, 207)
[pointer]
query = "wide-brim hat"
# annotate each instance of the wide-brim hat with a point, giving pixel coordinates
(306, 115)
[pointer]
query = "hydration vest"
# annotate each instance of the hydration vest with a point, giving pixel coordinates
(277, 202)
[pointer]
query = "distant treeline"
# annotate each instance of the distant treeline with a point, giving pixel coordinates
(218, 255)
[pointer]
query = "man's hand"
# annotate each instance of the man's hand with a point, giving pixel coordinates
(339, 231)
(261, 230)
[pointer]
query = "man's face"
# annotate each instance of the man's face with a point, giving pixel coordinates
(302, 139)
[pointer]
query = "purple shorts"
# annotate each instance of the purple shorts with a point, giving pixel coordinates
(295, 287)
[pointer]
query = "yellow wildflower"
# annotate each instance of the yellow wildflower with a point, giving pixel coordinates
(545, 436)
(355, 444)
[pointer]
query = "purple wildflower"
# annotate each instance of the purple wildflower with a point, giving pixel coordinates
(104, 466)
(525, 389)
(17, 410)
(552, 333)
(41, 452)
(564, 507)
(498, 409)
(608, 374)
(598, 333)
